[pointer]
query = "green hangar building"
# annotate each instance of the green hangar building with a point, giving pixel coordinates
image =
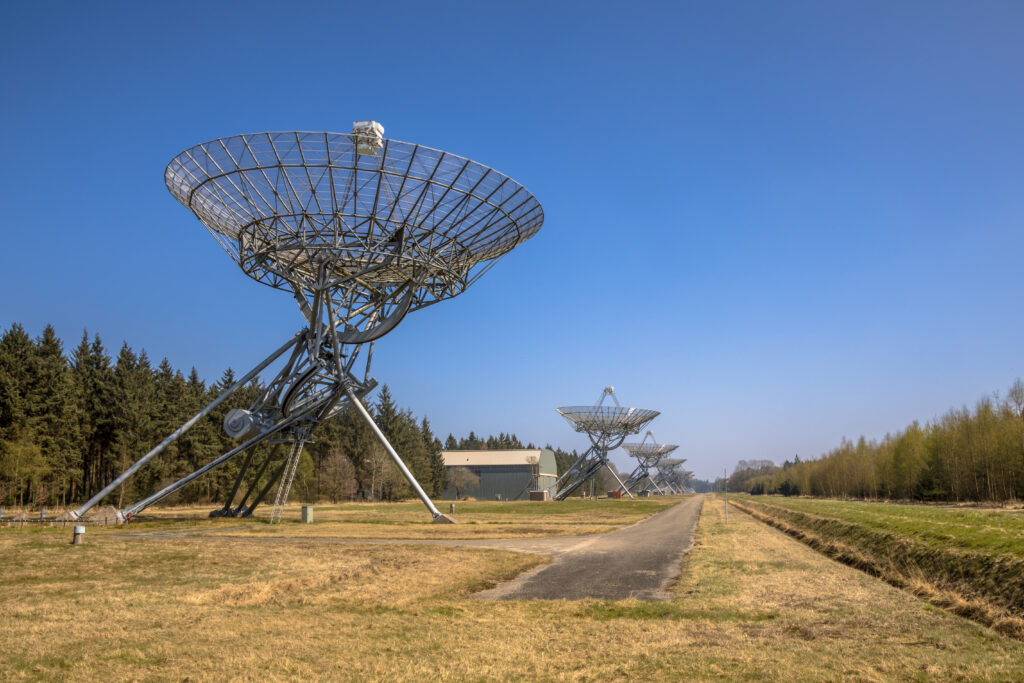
(498, 475)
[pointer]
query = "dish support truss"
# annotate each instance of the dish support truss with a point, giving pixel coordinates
(662, 484)
(606, 428)
(648, 453)
(668, 476)
(316, 382)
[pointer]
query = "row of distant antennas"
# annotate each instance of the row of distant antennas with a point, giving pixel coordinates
(649, 453)
(606, 427)
(672, 474)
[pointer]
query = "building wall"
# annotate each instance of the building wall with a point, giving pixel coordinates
(508, 481)
(511, 482)
(548, 469)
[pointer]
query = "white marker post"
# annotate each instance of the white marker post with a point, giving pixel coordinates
(725, 479)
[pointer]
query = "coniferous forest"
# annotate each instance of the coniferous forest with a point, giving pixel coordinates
(71, 422)
(963, 456)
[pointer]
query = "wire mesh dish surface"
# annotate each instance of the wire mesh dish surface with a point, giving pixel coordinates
(298, 208)
(649, 450)
(598, 419)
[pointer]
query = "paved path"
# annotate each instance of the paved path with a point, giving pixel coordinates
(639, 561)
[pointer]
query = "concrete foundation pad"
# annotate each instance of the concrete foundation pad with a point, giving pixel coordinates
(444, 519)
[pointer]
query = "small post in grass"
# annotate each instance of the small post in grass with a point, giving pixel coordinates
(79, 536)
(307, 514)
(451, 508)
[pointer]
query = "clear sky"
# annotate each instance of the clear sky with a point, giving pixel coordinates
(778, 223)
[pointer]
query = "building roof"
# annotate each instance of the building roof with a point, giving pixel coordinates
(519, 456)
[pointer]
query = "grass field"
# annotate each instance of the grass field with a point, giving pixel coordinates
(966, 559)
(753, 604)
(410, 520)
(989, 530)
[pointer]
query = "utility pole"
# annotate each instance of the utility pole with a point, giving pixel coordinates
(725, 485)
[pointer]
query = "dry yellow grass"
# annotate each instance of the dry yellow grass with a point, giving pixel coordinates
(754, 604)
(983, 586)
(409, 520)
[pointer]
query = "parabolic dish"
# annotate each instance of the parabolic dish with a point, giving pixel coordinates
(607, 419)
(295, 208)
(649, 450)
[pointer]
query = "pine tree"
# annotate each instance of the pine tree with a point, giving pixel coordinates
(356, 441)
(472, 443)
(438, 474)
(15, 362)
(94, 389)
(53, 415)
(202, 443)
(135, 396)
(169, 411)
(21, 461)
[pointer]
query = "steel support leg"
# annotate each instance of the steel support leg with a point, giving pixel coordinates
(240, 508)
(394, 457)
(77, 513)
(573, 475)
(600, 460)
(619, 480)
(265, 490)
(133, 510)
(226, 510)
(634, 478)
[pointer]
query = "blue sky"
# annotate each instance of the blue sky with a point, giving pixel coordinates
(777, 223)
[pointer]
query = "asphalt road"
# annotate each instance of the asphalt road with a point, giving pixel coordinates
(639, 561)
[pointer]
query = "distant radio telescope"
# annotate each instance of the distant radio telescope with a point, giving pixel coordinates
(648, 454)
(606, 427)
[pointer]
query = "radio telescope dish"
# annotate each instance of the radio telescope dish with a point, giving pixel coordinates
(384, 230)
(589, 419)
(607, 427)
(648, 454)
(361, 230)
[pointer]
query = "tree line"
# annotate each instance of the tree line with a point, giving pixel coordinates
(493, 443)
(964, 455)
(70, 423)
